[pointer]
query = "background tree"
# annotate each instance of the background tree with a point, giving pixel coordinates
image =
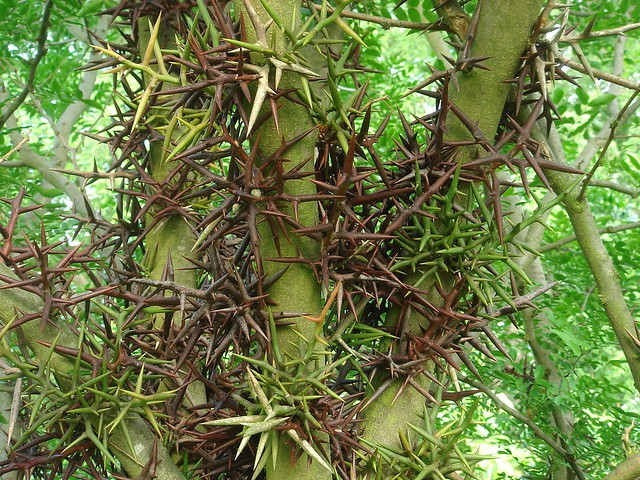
(292, 282)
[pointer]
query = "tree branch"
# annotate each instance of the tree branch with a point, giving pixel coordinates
(600, 33)
(627, 470)
(607, 77)
(632, 192)
(536, 326)
(593, 249)
(62, 130)
(30, 158)
(40, 53)
(6, 402)
(385, 22)
(612, 131)
(502, 47)
(572, 238)
(537, 431)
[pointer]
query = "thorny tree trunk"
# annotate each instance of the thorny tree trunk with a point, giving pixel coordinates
(297, 290)
(481, 96)
(502, 34)
(133, 448)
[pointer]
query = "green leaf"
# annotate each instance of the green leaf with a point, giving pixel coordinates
(604, 99)
(414, 15)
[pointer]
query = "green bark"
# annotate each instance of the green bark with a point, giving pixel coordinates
(297, 290)
(599, 260)
(6, 400)
(502, 35)
(504, 27)
(169, 244)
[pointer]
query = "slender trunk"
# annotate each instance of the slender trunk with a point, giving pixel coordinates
(599, 260)
(297, 290)
(6, 402)
(502, 34)
(536, 327)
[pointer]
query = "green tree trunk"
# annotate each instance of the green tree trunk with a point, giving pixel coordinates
(297, 290)
(502, 34)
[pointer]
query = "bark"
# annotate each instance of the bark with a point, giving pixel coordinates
(297, 290)
(502, 35)
(627, 470)
(169, 245)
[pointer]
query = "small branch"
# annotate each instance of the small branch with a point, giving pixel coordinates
(571, 238)
(607, 77)
(30, 158)
(595, 143)
(600, 33)
(387, 23)
(537, 431)
(583, 307)
(632, 192)
(612, 132)
(14, 149)
(523, 300)
(41, 51)
(536, 325)
(5, 412)
(62, 128)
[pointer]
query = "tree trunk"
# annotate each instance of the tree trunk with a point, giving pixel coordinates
(297, 290)
(502, 34)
